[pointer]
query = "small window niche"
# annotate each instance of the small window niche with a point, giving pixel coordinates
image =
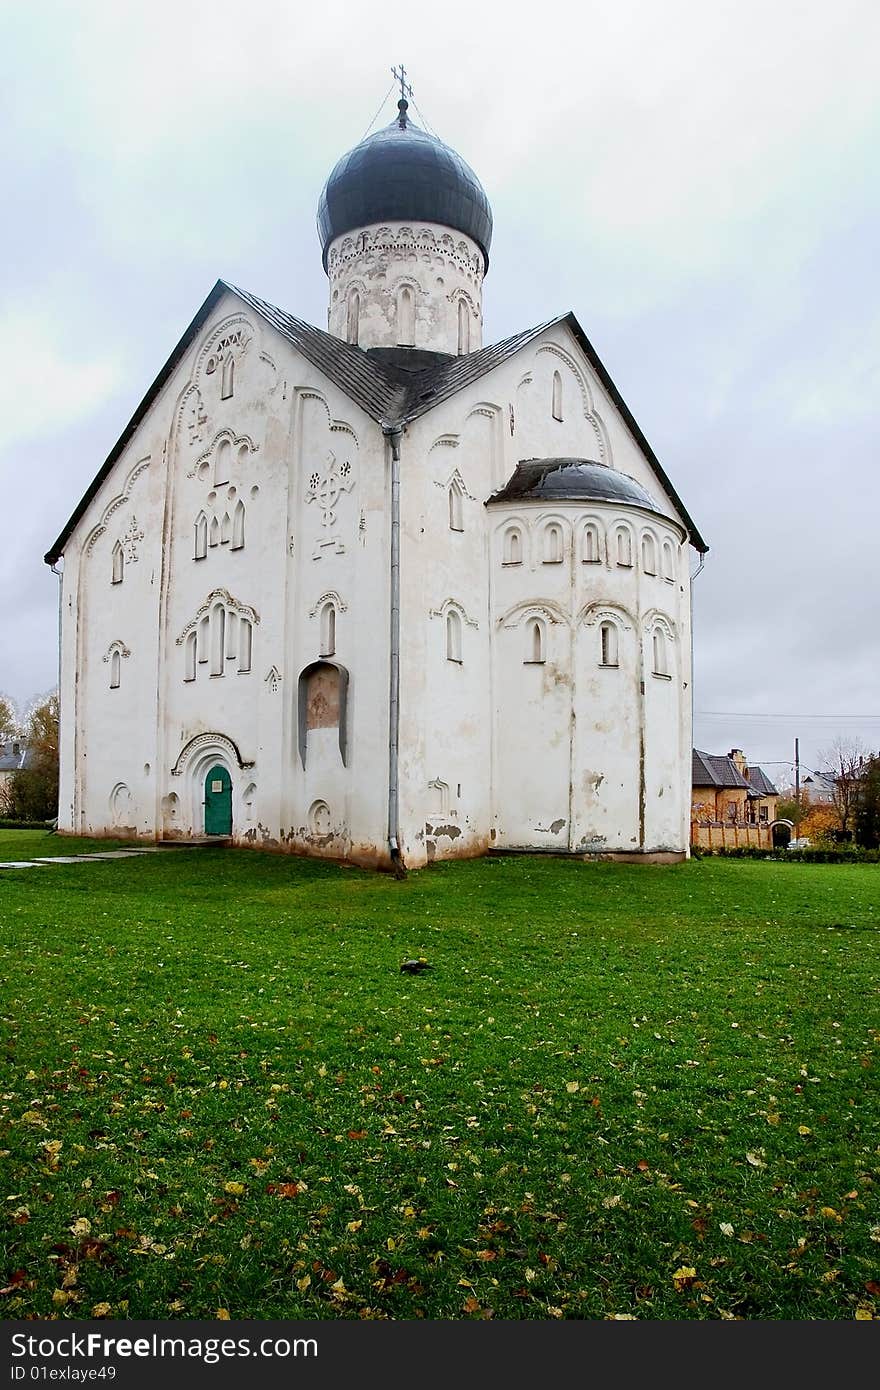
(218, 639)
(118, 565)
(553, 544)
(328, 629)
(649, 553)
(227, 377)
(245, 645)
(406, 316)
(115, 670)
(453, 637)
(214, 532)
(556, 399)
(464, 328)
(238, 526)
(189, 656)
(200, 546)
(624, 548)
(608, 645)
(512, 552)
(668, 562)
(456, 510)
(204, 640)
(353, 318)
(592, 554)
(536, 639)
(660, 652)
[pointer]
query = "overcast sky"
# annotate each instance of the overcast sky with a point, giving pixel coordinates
(698, 182)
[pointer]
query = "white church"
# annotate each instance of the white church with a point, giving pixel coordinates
(381, 593)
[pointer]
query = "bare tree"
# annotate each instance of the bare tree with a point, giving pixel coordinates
(8, 718)
(844, 763)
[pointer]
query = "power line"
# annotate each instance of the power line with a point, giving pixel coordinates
(751, 714)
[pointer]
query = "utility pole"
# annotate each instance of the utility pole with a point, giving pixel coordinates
(797, 788)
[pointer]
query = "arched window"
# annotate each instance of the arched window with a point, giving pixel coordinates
(535, 638)
(190, 658)
(456, 518)
(227, 377)
(245, 644)
(214, 532)
(231, 636)
(661, 653)
(592, 554)
(453, 636)
(223, 461)
(225, 529)
(624, 547)
(668, 562)
(406, 317)
(328, 629)
(238, 526)
(649, 553)
(354, 317)
(557, 396)
(115, 670)
(553, 544)
(201, 537)
(204, 640)
(464, 328)
(118, 563)
(513, 546)
(608, 644)
(218, 639)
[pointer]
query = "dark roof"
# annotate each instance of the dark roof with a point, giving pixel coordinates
(385, 388)
(403, 174)
(572, 479)
(760, 783)
(714, 770)
(10, 760)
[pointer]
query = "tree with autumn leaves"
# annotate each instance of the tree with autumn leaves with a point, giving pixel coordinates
(32, 793)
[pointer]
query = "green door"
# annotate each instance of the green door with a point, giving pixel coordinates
(218, 802)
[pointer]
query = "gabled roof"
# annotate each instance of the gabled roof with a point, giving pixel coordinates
(389, 393)
(760, 783)
(715, 770)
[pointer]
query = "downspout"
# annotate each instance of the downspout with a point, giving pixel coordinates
(696, 572)
(394, 434)
(59, 575)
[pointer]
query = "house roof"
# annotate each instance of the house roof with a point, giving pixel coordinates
(760, 783)
(572, 479)
(383, 387)
(10, 759)
(715, 770)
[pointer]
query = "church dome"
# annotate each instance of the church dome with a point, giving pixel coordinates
(403, 174)
(572, 480)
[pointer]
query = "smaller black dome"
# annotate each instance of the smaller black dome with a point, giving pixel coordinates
(573, 480)
(402, 174)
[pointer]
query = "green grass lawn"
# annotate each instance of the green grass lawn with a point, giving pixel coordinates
(45, 844)
(619, 1091)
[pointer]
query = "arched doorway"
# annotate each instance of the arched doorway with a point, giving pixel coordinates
(781, 832)
(218, 801)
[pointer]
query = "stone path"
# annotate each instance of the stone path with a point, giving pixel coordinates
(79, 858)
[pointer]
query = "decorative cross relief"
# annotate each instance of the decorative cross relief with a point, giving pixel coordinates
(129, 541)
(326, 487)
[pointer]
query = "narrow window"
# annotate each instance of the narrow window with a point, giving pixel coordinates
(201, 539)
(557, 396)
(354, 317)
(214, 532)
(661, 659)
(624, 547)
(227, 377)
(238, 526)
(190, 658)
(115, 670)
(118, 563)
(668, 562)
(245, 644)
(456, 519)
(226, 529)
(223, 461)
(553, 544)
(204, 640)
(328, 630)
(608, 644)
(218, 639)
(535, 643)
(231, 636)
(649, 553)
(591, 544)
(464, 328)
(453, 636)
(512, 547)
(406, 317)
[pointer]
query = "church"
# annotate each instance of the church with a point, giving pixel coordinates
(378, 592)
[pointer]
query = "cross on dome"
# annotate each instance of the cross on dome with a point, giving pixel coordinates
(405, 91)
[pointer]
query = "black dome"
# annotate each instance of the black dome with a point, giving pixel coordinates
(570, 480)
(402, 174)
